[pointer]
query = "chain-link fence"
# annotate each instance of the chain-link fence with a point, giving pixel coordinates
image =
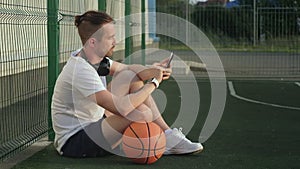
(252, 41)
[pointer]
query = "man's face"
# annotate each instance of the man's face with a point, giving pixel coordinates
(107, 41)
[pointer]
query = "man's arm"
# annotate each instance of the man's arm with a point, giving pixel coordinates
(123, 105)
(123, 102)
(143, 72)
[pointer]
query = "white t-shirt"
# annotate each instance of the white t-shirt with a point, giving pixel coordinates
(71, 108)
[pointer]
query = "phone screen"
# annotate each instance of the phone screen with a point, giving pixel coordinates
(170, 59)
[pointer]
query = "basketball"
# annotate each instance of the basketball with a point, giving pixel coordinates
(144, 143)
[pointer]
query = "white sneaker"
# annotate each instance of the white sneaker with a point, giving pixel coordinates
(177, 143)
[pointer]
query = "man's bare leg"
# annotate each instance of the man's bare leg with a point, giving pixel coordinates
(113, 126)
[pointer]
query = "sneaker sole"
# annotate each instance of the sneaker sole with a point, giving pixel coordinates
(193, 152)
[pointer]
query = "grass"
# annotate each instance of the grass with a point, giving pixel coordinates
(272, 45)
(249, 136)
(238, 48)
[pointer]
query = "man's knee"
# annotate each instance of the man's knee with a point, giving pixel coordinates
(125, 82)
(141, 113)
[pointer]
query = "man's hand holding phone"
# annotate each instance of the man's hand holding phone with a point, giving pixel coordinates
(165, 65)
(170, 60)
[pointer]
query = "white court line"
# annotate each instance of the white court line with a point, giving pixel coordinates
(297, 83)
(233, 93)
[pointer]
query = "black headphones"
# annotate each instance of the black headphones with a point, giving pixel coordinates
(102, 68)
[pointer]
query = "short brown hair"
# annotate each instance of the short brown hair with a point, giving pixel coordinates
(89, 22)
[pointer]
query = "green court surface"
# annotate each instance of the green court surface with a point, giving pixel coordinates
(259, 129)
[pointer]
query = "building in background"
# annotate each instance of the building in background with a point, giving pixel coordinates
(225, 3)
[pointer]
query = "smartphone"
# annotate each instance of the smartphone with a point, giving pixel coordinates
(170, 59)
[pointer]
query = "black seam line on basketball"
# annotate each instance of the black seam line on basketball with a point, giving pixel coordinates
(142, 148)
(149, 143)
(139, 140)
(156, 141)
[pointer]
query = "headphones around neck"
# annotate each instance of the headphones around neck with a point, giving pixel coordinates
(102, 67)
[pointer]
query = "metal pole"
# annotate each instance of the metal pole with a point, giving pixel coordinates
(254, 22)
(187, 21)
(53, 55)
(102, 5)
(128, 40)
(143, 38)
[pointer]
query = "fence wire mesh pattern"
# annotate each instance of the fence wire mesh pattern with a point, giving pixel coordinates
(24, 64)
(23, 76)
(252, 41)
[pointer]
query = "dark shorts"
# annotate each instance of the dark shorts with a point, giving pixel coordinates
(88, 142)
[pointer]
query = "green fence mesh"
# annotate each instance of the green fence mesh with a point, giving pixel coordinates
(252, 41)
(23, 65)
(24, 75)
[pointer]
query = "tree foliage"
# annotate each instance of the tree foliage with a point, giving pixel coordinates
(274, 18)
(272, 3)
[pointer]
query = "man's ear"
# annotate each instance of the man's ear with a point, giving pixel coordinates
(91, 42)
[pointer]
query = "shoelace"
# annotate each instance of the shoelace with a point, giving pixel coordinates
(180, 133)
(180, 130)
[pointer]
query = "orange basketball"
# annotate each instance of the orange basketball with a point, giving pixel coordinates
(144, 143)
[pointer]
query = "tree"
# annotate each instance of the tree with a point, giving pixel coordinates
(272, 3)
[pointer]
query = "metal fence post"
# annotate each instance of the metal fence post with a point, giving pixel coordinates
(128, 40)
(254, 22)
(53, 55)
(143, 38)
(102, 5)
